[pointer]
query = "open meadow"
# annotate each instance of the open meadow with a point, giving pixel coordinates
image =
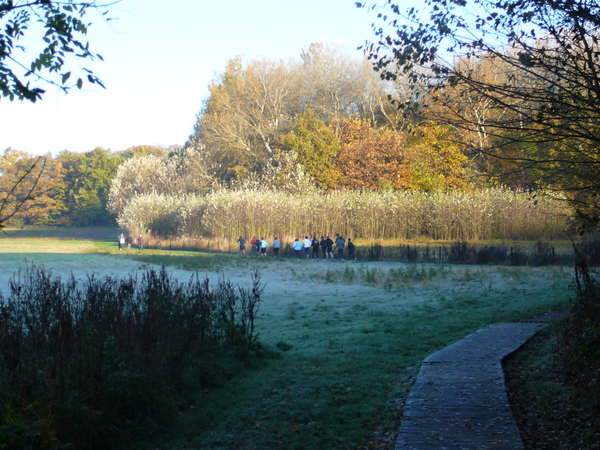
(345, 339)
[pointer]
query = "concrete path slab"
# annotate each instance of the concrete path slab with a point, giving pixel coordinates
(459, 399)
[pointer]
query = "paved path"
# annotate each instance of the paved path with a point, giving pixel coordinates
(459, 400)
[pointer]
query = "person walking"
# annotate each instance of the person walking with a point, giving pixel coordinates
(129, 241)
(351, 250)
(339, 243)
(263, 247)
(252, 244)
(121, 241)
(242, 242)
(329, 249)
(315, 248)
(140, 242)
(257, 244)
(324, 247)
(307, 243)
(276, 247)
(297, 248)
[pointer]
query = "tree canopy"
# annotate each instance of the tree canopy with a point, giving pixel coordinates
(55, 33)
(530, 69)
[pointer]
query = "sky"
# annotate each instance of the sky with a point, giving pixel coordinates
(159, 58)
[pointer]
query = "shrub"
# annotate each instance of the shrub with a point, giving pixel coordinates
(543, 254)
(409, 253)
(590, 247)
(580, 337)
(85, 366)
(517, 257)
(491, 254)
(460, 253)
(375, 252)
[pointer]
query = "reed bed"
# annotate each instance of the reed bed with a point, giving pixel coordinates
(496, 213)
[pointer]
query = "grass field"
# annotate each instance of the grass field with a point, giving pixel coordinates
(348, 338)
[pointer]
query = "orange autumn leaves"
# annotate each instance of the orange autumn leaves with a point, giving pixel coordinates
(352, 154)
(369, 158)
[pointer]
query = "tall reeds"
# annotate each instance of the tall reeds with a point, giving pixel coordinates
(458, 216)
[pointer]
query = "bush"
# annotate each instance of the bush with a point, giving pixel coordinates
(460, 253)
(543, 254)
(375, 252)
(409, 253)
(517, 257)
(590, 247)
(492, 254)
(580, 337)
(86, 366)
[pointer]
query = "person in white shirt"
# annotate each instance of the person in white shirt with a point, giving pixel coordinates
(307, 243)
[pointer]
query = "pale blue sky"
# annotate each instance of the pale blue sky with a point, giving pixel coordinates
(159, 57)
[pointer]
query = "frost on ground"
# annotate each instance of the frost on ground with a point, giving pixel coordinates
(315, 291)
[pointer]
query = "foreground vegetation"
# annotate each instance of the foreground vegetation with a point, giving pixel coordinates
(345, 342)
(88, 366)
(550, 413)
(347, 361)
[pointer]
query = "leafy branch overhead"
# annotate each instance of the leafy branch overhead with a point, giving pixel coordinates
(57, 30)
(520, 78)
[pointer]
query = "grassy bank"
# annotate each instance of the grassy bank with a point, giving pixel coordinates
(550, 414)
(350, 340)
(347, 340)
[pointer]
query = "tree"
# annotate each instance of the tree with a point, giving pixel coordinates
(315, 146)
(20, 175)
(369, 158)
(60, 28)
(545, 111)
(88, 177)
(139, 151)
(433, 161)
(252, 105)
(249, 108)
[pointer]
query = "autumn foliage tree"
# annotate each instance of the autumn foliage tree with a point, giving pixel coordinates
(543, 100)
(253, 104)
(433, 160)
(36, 186)
(369, 158)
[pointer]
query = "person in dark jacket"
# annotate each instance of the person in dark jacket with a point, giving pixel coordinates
(351, 250)
(339, 243)
(315, 248)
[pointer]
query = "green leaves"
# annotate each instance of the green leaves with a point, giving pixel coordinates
(64, 27)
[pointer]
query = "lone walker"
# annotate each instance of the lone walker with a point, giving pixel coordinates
(140, 242)
(242, 242)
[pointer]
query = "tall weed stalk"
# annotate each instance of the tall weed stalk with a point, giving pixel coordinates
(85, 365)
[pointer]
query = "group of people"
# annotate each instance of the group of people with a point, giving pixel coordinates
(306, 247)
(259, 246)
(123, 241)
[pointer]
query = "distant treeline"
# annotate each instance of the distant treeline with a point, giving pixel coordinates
(70, 189)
